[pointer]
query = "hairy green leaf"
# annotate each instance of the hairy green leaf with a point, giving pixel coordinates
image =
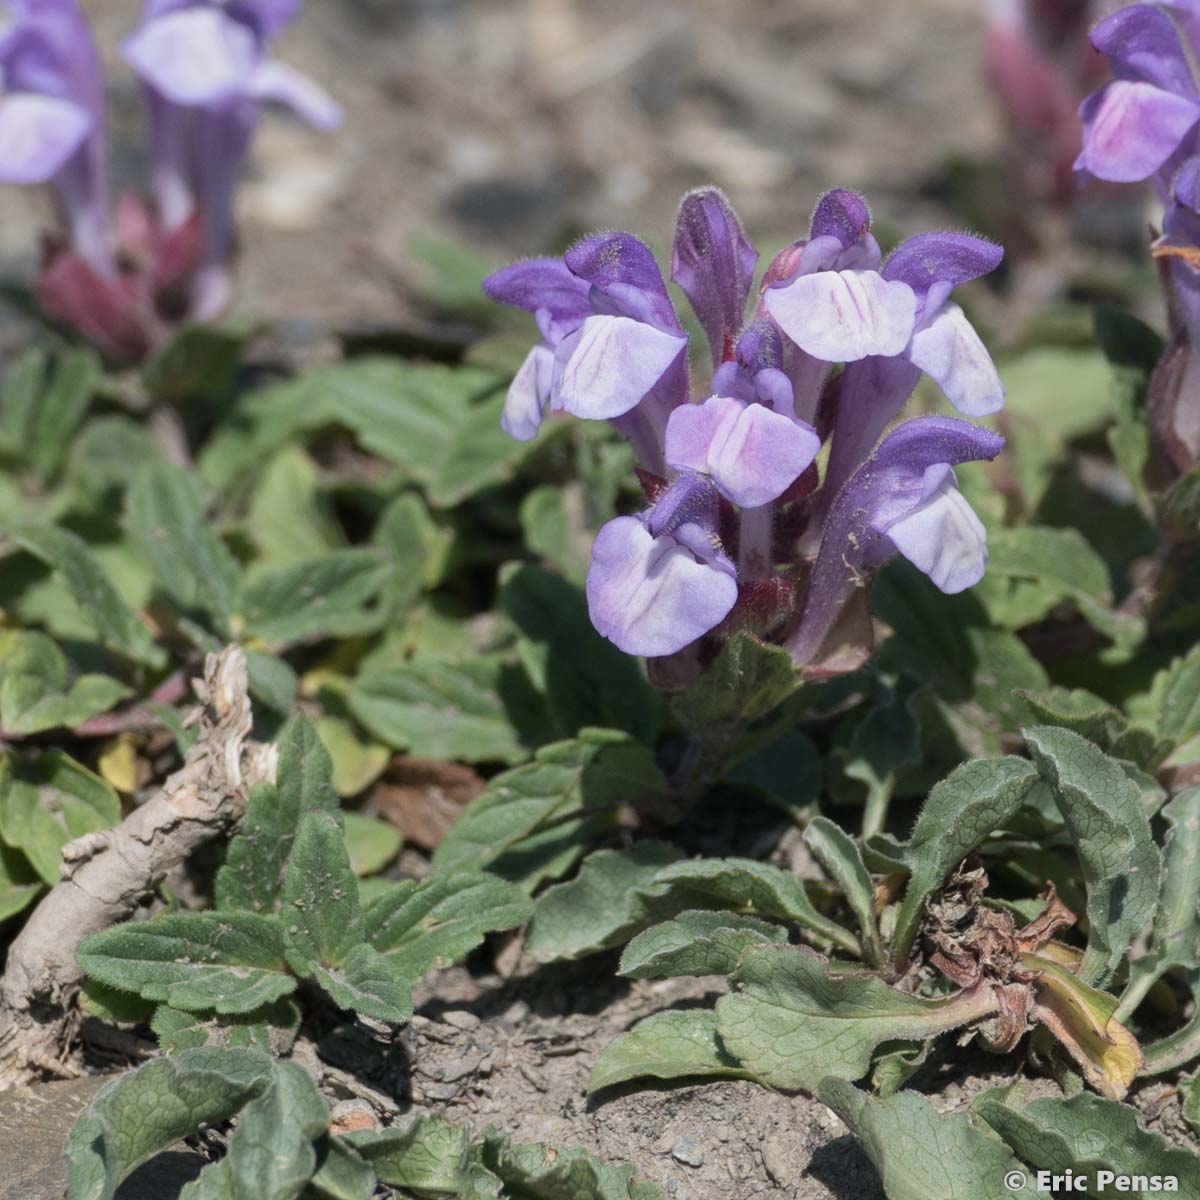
(439, 710)
(747, 681)
(342, 1173)
(960, 812)
(1087, 1134)
(740, 884)
(676, 1044)
(428, 1156)
(1121, 866)
(230, 962)
(533, 822)
(842, 860)
(141, 1113)
(19, 883)
(38, 693)
(371, 843)
(48, 801)
(793, 1024)
(165, 516)
(922, 1154)
(592, 911)
(115, 623)
(254, 864)
(330, 596)
(271, 1028)
(698, 942)
(439, 921)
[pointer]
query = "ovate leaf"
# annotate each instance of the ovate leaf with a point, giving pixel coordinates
(675, 1044)
(592, 911)
(793, 1024)
(439, 921)
(166, 517)
(115, 623)
(428, 1156)
(438, 710)
(48, 801)
(37, 691)
(329, 596)
(842, 860)
(1086, 1135)
(922, 1154)
(141, 1113)
(253, 870)
(696, 943)
(1104, 814)
(225, 962)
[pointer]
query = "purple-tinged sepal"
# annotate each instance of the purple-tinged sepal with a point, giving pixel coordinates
(713, 263)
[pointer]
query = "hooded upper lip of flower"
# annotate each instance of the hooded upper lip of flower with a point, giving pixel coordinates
(1135, 124)
(845, 313)
(902, 499)
(609, 331)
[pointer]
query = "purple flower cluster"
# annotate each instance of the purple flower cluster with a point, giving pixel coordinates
(1145, 125)
(124, 279)
(737, 533)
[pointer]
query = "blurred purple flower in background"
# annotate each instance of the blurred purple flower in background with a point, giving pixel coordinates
(737, 534)
(126, 279)
(1145, 125)
(205, 69)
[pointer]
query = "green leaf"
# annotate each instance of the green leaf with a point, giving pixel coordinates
(115, 623)
(842, 861)
(342, 1173)
(946, 641)
(356, 763)
(44, 401)
(1032, 569)
(1176, 940)
(230, 962)
(150, 1109)
(371, 843)
(586, 679)
(1103, 812)
(747, 681)
(418, 547)
(428, 1156)
(322, 597)
(555, 1172)
(895, 1067)
(1087, 1134)
(534, 822)
(793, 1023)
(553, 523)
(271, 681)
(698, 942)
(439, 921)
(48, 801)
(960, 812)
(271, 1155)
(271, 1028)
(922, 1154)
(36, 690)
(593, 911)
(254, 864)
(1175, 698)
(740, 884)
(1099, 722)
(368, 983)
(166, 518)
(288, 518)
(438, 710)
(19, 883)
(676, 1044)
(199, 361)
(323, 931)
(1191, 1103)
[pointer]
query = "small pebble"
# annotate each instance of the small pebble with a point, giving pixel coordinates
(460, 1019)
(686, 1151)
